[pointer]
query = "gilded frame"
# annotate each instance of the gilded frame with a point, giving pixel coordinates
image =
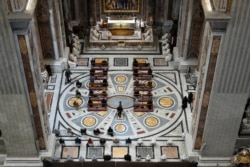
(121, 6)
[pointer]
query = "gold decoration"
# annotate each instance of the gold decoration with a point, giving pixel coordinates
(166, 102)
(141, 60)
(121, 78)
(119, 152)
(73, 101)
(102, 113)
(89, 121)
(121, 88)
(138, 114)
(151, 121)
(120, 128)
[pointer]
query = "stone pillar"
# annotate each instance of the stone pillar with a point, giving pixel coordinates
(230, 89)
(20, 119)
(43, 18)
(197, 24)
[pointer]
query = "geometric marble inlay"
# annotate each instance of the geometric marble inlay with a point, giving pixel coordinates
(120, 61)
(160, 62)
(141, 60)
(72, 151)
(166, 102)
(143, 151)
(171, 152)
(119, 151)
(121, 88)
(95, 151)
(138, 114)
(101, 113)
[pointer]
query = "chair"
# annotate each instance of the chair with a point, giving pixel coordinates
(139, 141)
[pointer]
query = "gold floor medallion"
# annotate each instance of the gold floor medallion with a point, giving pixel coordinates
(89, 121)
(120, 128)
(151, 121)
(120, 78)
(75, 101)
(166, 102)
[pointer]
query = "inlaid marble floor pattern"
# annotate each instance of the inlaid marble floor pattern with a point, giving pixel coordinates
(161, 131)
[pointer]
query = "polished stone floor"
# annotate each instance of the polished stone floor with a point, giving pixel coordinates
(153, 134)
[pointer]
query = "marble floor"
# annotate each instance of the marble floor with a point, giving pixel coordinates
(153, 134)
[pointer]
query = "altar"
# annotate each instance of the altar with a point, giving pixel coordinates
(120, 33)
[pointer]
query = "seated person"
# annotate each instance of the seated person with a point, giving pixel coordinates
(128, 141)
(75, 104)
(78, 94)
(107, 157)
(92, 72)
(78, 84)
(91, 79)
(90, 141)
(127, 157)
(104, 63)
(92, 62)
(136, 83)
(135, 63)
(104, 102)
(136, 93)
(110, 131)
(91, 92)
(102, 141)
(96, 131)
(61, 141)
(90, 103)
(105, 83)
(136, 73)
(104, 93)
(116, 140)
(150, 84)
(149, 71)
(105, 72)
(83, 131)
(78, 141)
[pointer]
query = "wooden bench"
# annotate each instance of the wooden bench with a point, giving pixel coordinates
(97, 108)
(143, 88)
(97, 88)
(143, 110)
(144, 77)
(141, 68)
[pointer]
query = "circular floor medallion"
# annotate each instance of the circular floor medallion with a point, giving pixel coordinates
(151, 121)
(120, 78)
(120, 128)
(166, 102)
(127, 101)
(73, 101)
(89, 121)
